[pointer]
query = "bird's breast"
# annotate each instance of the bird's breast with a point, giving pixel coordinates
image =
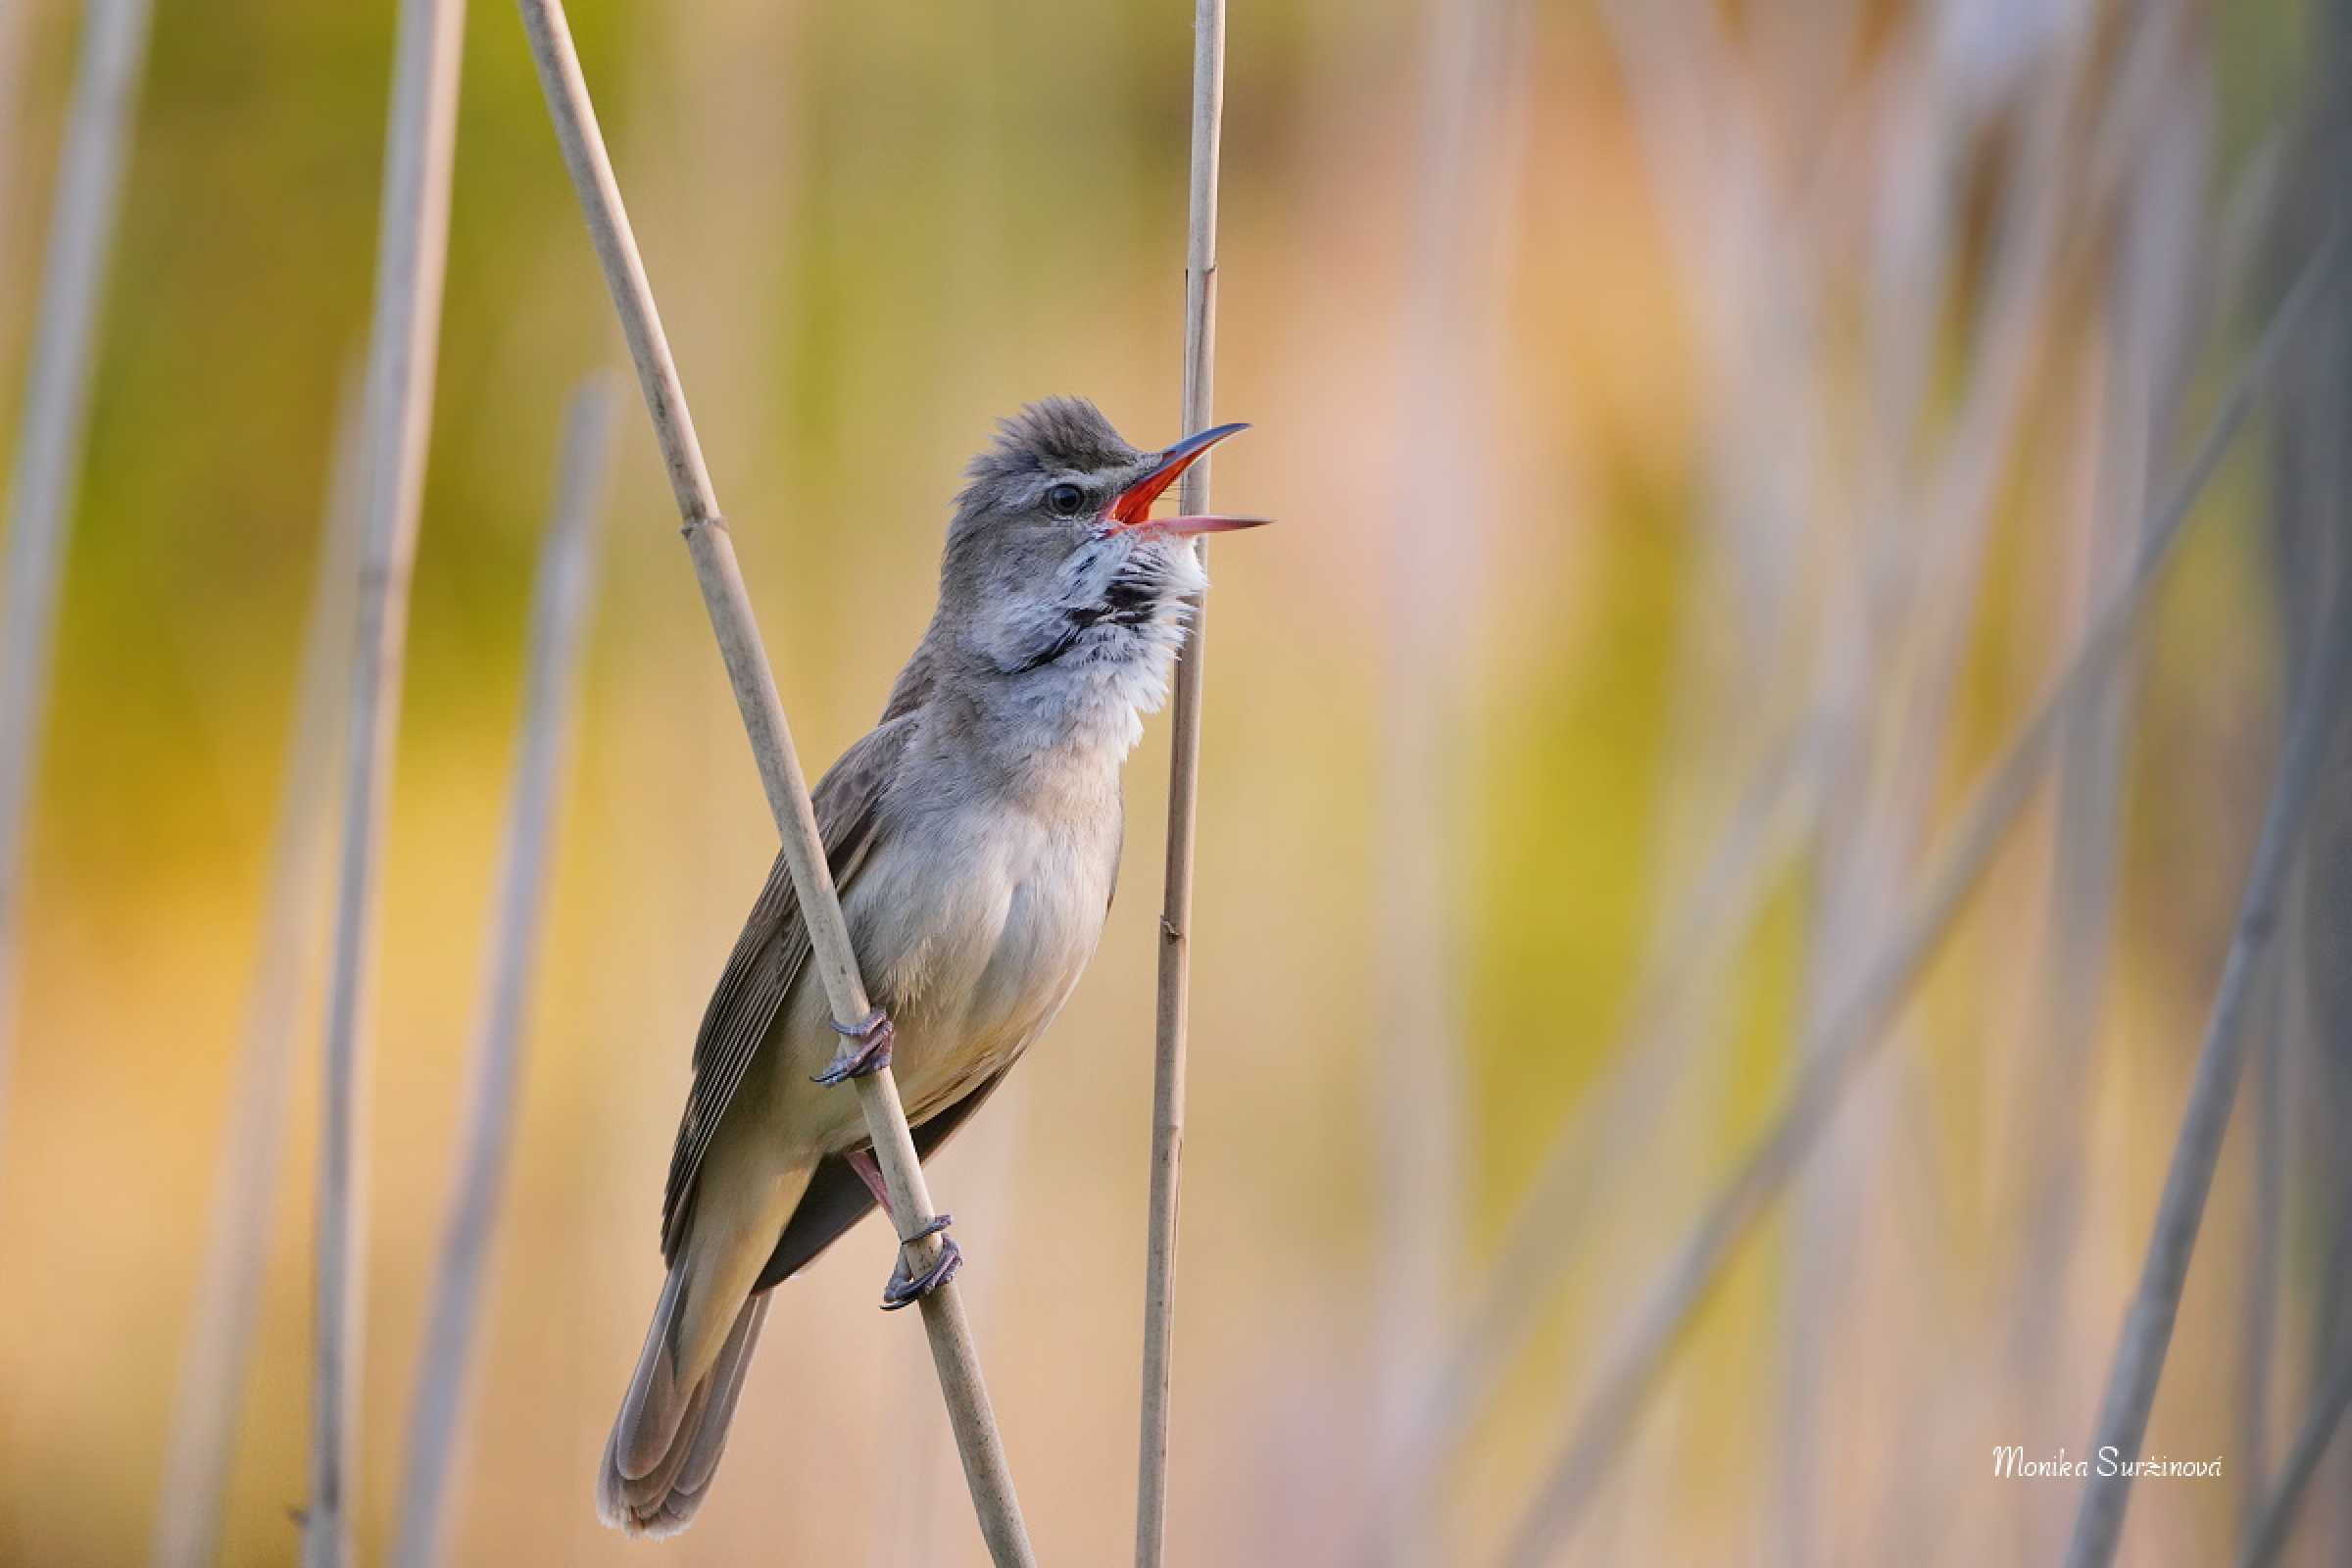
(975, 932)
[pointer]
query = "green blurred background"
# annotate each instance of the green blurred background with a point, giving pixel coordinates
(874, 229)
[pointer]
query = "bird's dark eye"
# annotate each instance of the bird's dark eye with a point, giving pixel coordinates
(1065, 500)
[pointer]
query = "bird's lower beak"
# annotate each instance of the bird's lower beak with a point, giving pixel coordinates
(1131, 511)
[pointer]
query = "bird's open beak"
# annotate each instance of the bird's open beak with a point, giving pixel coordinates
(1131, 512)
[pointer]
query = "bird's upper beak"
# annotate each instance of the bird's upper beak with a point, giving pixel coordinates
(1131, 511)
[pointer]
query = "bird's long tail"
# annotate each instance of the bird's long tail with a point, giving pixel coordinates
(672, 1427)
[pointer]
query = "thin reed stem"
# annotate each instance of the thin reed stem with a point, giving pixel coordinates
(404, 342)
(1652, 1052)
(982, 1447)
(2147, 1332)
(560, 607)
(204, 1420)
(1174, 1006)
(1630, 1371)
(2266, 1537)
(47, 468)
(1469, 89)
(16, 22)
(2265, 1204)
(2150, 323)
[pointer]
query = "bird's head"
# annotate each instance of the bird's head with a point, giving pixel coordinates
(1055, 560)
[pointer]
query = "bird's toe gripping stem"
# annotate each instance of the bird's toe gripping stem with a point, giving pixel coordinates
(864, 1051)
(903, 1288)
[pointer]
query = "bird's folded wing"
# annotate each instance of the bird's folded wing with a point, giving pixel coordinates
(771, 955)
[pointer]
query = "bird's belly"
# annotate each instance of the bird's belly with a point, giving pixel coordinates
(1041, 949)
(999, 935)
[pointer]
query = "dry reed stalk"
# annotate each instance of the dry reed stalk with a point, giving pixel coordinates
(2266, 1203)
(560, 601)
(1172, 1012)
(980, 1445)
(47, 466)
(986, 1156)
(1714, 139)
(1889, 665)
(14, 23)
(2147, 1332)
(403, 341)
(1651, 1055)
(2149, 343)
(202, 1440)
(1417, 1063)
(1602, 1428)
(2145, 358)
(2265, 1537)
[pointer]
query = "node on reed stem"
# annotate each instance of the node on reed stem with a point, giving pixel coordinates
(1172, 1010)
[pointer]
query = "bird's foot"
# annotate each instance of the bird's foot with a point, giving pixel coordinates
(864, 1051)
(904, 1289)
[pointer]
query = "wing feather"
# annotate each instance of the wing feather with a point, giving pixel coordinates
(770, 956)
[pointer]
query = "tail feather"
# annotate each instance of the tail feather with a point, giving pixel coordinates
(665, 1445)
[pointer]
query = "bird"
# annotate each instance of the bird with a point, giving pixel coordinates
(974, 837)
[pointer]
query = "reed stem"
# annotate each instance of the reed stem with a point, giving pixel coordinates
(204, 1419)
(1174, 1010)
(404, 342)
(2266, 1537)
(47, 468)
(985, 1469)
(2147, 1332)
(1603, 1427)
(559, 610)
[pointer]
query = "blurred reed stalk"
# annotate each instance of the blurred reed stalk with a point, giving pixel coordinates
(2311, 550)
(204, 1422)
(1889, 665)
(46, 472)
(2147, 1332)
(15, 23)
(2266, 1198)
(1464, 175)
(1629, 1371)
(982, 1447)
(561, 599)
(2160, 268)
(1174, 1010)
(403, 343)
(2274, 1519)
(1744, 196)
(2255, 1011)
(1546, 1235)
(2146, 334)
(2052, 244)
(1757, 302)
(1472, 51)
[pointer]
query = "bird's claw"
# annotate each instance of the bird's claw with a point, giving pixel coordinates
(903, 1291)
(864, 1051)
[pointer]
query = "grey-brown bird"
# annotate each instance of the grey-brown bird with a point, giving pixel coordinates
(974, 837)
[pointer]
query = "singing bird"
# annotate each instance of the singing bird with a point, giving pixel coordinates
(974, 837)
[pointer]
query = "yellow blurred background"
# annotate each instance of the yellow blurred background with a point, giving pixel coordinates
(1595, 364)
